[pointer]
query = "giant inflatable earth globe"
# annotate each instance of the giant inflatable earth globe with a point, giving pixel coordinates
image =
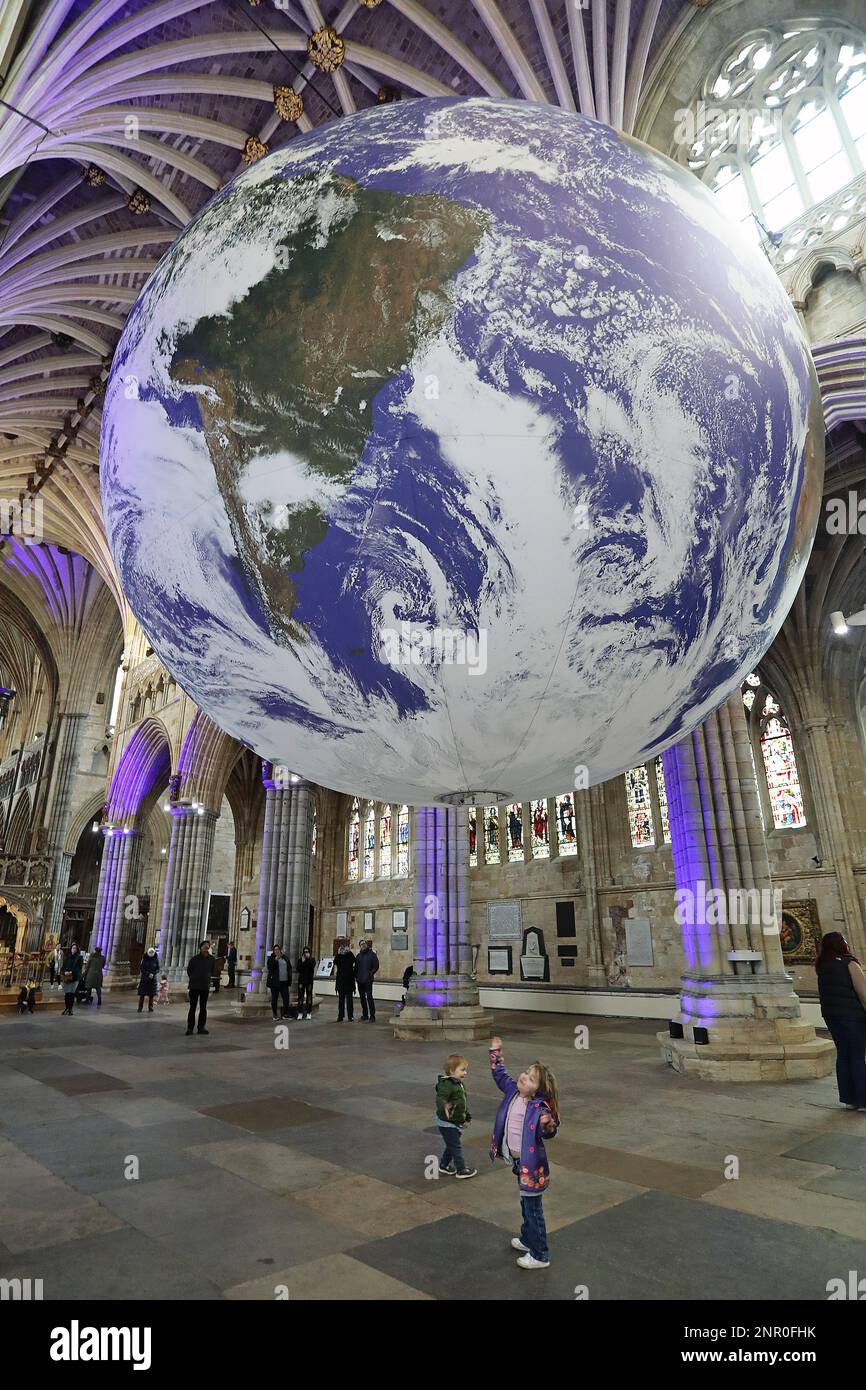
(458, 444)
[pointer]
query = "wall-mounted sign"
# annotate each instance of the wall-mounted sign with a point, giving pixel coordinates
(245, 919)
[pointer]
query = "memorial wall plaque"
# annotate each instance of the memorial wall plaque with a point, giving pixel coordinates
(503, 920)
(638, 941)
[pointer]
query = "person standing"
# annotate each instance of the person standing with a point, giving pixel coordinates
(279, 981)
(70, 974)
(842, 994)
(365, 970)
(147, 979)
(231, 963)
(93, 977)
(345, 982)
(306, 971)
(200, 973)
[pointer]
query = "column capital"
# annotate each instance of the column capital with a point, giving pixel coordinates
(808, 726)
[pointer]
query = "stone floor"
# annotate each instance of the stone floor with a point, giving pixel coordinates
(260, 1167)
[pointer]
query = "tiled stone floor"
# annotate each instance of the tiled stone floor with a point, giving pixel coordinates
(305, 1167)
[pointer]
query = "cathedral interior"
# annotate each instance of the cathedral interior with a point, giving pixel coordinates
(130, 819)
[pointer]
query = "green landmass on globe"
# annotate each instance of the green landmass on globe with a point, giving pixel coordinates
(295, 364)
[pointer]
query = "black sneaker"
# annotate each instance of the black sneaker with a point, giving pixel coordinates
(202, 1030)
(448, 1171)
(467, 1173)
(189, 1032)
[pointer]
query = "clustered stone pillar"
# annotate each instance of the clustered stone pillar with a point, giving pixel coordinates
(284, 890)
(190, 855)
(65, 766)
(119, 855)
(735, 991)
(443, 999)
(592, 839)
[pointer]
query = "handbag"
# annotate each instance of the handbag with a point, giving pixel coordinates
(67, 974)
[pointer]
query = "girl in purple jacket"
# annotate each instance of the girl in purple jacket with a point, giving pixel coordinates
(528, 1115)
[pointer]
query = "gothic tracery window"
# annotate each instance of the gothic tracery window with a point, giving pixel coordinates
(369, 840)
(565, 827)
(540, 831)
(473, 836)
(640, 820)
(385, 843)
(354, 841)
(515, 833)
(780, 124)
(782, 778)
(402, 842)
(661, 787)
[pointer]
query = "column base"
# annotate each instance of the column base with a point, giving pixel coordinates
(754, 1050)
(256, 1008)
(454, 1023)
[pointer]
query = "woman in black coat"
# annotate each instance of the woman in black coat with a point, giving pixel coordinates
(70, 975)
(147, 979)
(306, 971)
(345, 982)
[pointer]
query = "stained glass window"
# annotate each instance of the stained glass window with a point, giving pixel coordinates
(491, 834)
(354, 840)
(783, 781)
(403, 842)
(748, 698)
(663, 802)
(515, 833)
(770, 706)
(473, 836)
(369, 840)
(753, 679)
(313, 834)
(640, 819)
(540, 831)
(385, 844)
(565, 826)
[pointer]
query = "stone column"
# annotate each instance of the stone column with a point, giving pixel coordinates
(739, 1016)
(443, 1000)
(284, 890)
(822, 757)
(190, 855)
(118, 854)
(591, 838)
(60, 814)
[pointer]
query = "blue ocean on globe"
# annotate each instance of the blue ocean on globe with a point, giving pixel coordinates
(457, 444)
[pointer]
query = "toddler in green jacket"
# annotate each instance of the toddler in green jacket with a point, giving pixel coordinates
(452, 1113)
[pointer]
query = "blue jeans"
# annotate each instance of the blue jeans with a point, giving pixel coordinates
(533, 1231)
(849, 1035)
(453, 1148)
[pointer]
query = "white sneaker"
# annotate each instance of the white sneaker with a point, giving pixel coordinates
(517, 1244)
(308, 1016)
(530, 1262)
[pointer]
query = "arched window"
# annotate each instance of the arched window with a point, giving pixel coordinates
(313, 834)
(661, 787)
(491, 835)
(369, 840)
(782, 779)
(473, 836)
(115, 699)
(780, 123)
(565, 827)
(515, 833)
(354, 841)
(403, 842)
(385, 843)
(640, 816)
(540, 831)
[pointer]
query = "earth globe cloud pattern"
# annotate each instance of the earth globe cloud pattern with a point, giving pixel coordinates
(461, 365)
